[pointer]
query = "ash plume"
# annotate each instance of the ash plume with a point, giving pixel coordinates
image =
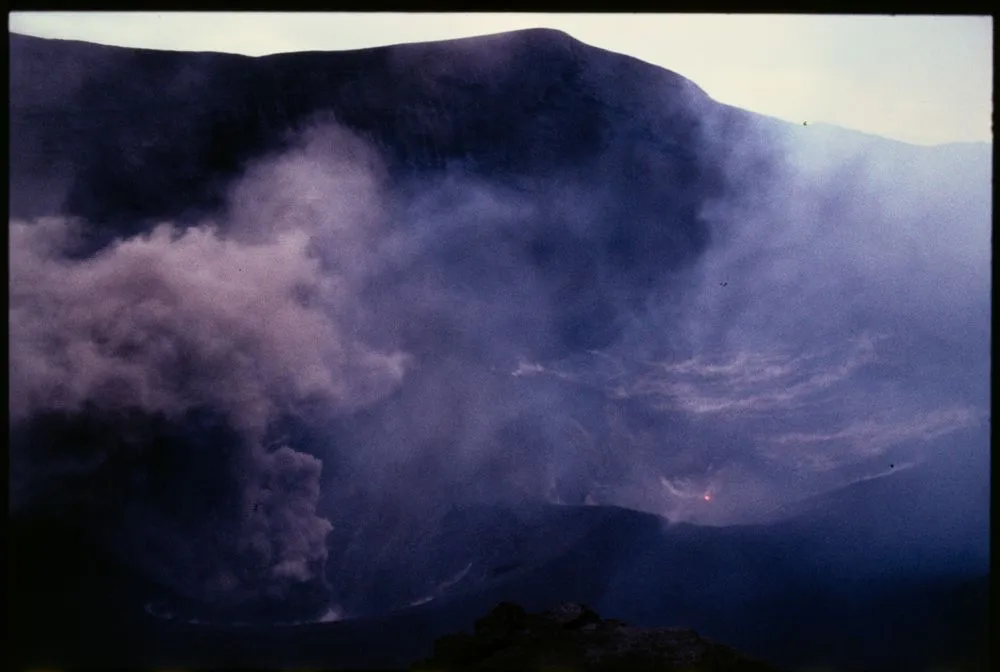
(247, 320)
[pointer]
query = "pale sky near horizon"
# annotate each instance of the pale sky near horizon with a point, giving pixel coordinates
(921, 79)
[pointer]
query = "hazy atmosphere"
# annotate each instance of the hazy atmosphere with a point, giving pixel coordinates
(326, 337)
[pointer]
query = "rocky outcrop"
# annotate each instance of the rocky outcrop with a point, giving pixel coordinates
(574, 637)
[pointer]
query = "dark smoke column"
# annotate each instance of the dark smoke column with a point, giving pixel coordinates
(145, 384)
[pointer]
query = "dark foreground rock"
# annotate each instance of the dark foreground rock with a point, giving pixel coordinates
(574, 637)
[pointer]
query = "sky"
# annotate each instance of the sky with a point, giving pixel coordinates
(921, 79)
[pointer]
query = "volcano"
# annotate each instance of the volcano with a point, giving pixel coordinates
(317, 357)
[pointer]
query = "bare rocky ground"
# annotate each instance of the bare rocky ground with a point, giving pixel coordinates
(574, 637)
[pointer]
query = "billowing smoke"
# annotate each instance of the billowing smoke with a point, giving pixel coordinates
(251, 320)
